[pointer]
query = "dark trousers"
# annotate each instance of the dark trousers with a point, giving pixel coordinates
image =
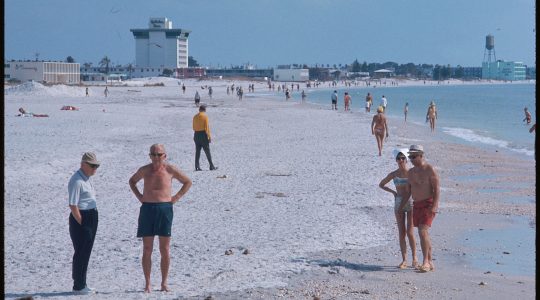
(82, 236)
(201, 141)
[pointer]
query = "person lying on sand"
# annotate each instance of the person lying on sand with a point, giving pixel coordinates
(24, 113)
(68, 107)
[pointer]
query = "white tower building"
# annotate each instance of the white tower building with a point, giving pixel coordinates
(161, 46)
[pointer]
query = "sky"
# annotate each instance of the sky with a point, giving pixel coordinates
(267, 33)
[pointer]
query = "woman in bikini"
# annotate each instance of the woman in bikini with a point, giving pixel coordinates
(379, 128)
(400, 179)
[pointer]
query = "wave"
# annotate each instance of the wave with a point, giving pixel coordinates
(472, 136)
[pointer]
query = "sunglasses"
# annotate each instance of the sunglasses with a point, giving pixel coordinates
(93, 166)
(401, 158)
(413, 156)
(157, 154)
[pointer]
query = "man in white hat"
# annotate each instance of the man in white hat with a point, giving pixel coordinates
(425, 191)
(83, 220)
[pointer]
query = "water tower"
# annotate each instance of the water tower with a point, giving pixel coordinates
(490, 49)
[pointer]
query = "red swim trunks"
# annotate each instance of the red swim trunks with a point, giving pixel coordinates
(422, 214)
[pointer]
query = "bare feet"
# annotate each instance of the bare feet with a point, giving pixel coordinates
(403, 265)
(165, 288)
(415, 264)
(147, 290)
(432, 266)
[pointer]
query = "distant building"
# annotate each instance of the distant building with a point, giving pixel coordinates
(472, 72)
(291, 75)
(503, 70)
(42, 71)
(240, 72)
(383, 73)
(159, 47)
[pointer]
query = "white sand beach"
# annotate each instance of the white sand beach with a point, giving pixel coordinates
(297, 186)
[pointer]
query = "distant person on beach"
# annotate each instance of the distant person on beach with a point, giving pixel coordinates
(431, 115)
(303, 96)
(425, 192)
(156, 211)
(210, 91)
(202, 137)
(106, 92)
(240, 93)
(379, 128)
(383, 103)
(183, 89)
(399, 177)
(287, 94)
(528, 116)
(334, 100)
(86, 91)
(406, 110)
(68, 107)
(347, 101)
(369, 100)
(83, 220)
(24, 113)
(197, 98)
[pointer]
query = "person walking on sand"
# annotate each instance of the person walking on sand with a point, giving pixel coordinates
(334, 100)
(106, 91)
(197, 98)
(424, 186)
(210, 91)
(303, 96)
(83, 220)
(183, 88)
(404, 216)
(528, 116)
(379, 128)
(406, 110)
(86, 91)
(156, 211)
(347, 101)
(431, 115)
(202, 138)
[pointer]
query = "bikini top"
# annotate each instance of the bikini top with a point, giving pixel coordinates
(400, 181)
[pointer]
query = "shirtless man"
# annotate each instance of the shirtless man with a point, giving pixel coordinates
(156, 212)
(379, 128)
(431, 115)
(424, 189)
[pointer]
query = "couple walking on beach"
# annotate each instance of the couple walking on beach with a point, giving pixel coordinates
(155, 215)
(422, 183)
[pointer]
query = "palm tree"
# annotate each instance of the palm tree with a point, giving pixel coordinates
(105, 61)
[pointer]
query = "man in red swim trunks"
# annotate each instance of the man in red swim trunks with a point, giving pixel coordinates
(424, 187)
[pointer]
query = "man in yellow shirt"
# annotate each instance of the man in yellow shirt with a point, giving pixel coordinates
(202, 137)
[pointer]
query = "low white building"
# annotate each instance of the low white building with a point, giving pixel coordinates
(291, 75)
(43, 71)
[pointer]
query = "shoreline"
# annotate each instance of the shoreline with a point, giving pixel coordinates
(302, 198)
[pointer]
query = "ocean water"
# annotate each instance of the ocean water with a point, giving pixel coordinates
(480, 115)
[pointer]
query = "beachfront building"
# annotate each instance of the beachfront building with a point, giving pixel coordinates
(285, 73)
(503, 70)
(383, 73)
(159, 47)
(241, 72)
(42, 71)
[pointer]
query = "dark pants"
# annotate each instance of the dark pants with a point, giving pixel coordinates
(201, 141)
(82, 236)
